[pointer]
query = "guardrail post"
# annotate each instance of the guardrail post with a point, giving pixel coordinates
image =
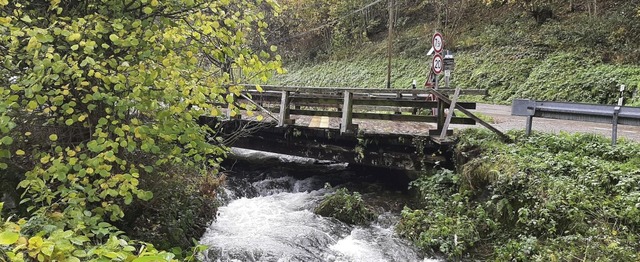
(614, 133)
(528, 125)
(347, 113)
(283, 117)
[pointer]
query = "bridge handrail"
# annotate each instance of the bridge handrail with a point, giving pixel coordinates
(345, 100)
(360, 90)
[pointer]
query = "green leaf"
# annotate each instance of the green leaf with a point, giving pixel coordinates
(103, 121)
(149, 259)
(145, 195)
(53, 137)
(147, 10)
(8, 238)
(111, 254)
(26, 19)
(32, 105)
(74, 37)
(7, 140)
(114, 37)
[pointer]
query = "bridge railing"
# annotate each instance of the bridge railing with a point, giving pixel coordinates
(357, 103)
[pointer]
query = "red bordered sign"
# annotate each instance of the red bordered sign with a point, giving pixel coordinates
(437, 64)
(437, 42)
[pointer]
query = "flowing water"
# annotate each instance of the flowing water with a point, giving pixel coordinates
(269, 217)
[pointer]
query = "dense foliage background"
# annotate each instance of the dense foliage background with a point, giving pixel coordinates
(580, 50)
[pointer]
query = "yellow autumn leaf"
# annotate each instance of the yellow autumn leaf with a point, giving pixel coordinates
(53, 4)
(20, 152)
(5, 20)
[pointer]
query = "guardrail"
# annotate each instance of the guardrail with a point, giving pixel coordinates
(350, 103)
(612, 114)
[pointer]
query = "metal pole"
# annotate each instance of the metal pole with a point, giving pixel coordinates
(621, 98)
(614, 131)
(390, 41)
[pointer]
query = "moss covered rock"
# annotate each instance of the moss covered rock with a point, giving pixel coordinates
(346, 207)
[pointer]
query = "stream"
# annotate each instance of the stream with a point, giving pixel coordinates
(268, 216)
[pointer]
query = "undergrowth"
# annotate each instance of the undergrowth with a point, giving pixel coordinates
(547, 197)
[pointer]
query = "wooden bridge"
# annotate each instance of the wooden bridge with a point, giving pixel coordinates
(347, 143)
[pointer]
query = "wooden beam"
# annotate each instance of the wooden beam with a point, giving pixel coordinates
(471, 115)
(347, 110)
(452, 106)
(389, 117)
(310, 101)
(320, 90)
(283, 117)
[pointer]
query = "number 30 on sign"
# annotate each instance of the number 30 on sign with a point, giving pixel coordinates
(437, 42)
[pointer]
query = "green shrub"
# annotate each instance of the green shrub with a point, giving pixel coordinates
(447, 222)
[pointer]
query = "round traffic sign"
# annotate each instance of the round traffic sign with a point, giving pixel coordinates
(437, 42)
(437, 64)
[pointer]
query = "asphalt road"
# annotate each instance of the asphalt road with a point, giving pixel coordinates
(503, 121)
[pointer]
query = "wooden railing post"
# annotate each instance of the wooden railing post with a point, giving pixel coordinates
(440, 114)
(347, 113)
(283, 118)
(452, 107)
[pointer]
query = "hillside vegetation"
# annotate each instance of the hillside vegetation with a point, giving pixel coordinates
(573, 51)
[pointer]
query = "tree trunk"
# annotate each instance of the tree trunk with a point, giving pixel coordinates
(571, 7)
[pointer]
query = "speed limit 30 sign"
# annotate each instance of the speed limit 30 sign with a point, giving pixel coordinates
(437, 42)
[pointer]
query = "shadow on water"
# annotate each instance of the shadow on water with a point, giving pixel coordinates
(268, 215)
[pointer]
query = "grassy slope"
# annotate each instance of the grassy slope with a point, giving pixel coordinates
(574, 57)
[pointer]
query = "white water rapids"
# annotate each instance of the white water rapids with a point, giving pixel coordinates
(272, 219)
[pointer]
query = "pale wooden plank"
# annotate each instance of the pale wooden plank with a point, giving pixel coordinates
(324, 122)
(315, 121)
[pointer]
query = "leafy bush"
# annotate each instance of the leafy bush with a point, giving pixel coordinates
(546, 197)
(346, 207)
(98, 98)
(447, 222)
